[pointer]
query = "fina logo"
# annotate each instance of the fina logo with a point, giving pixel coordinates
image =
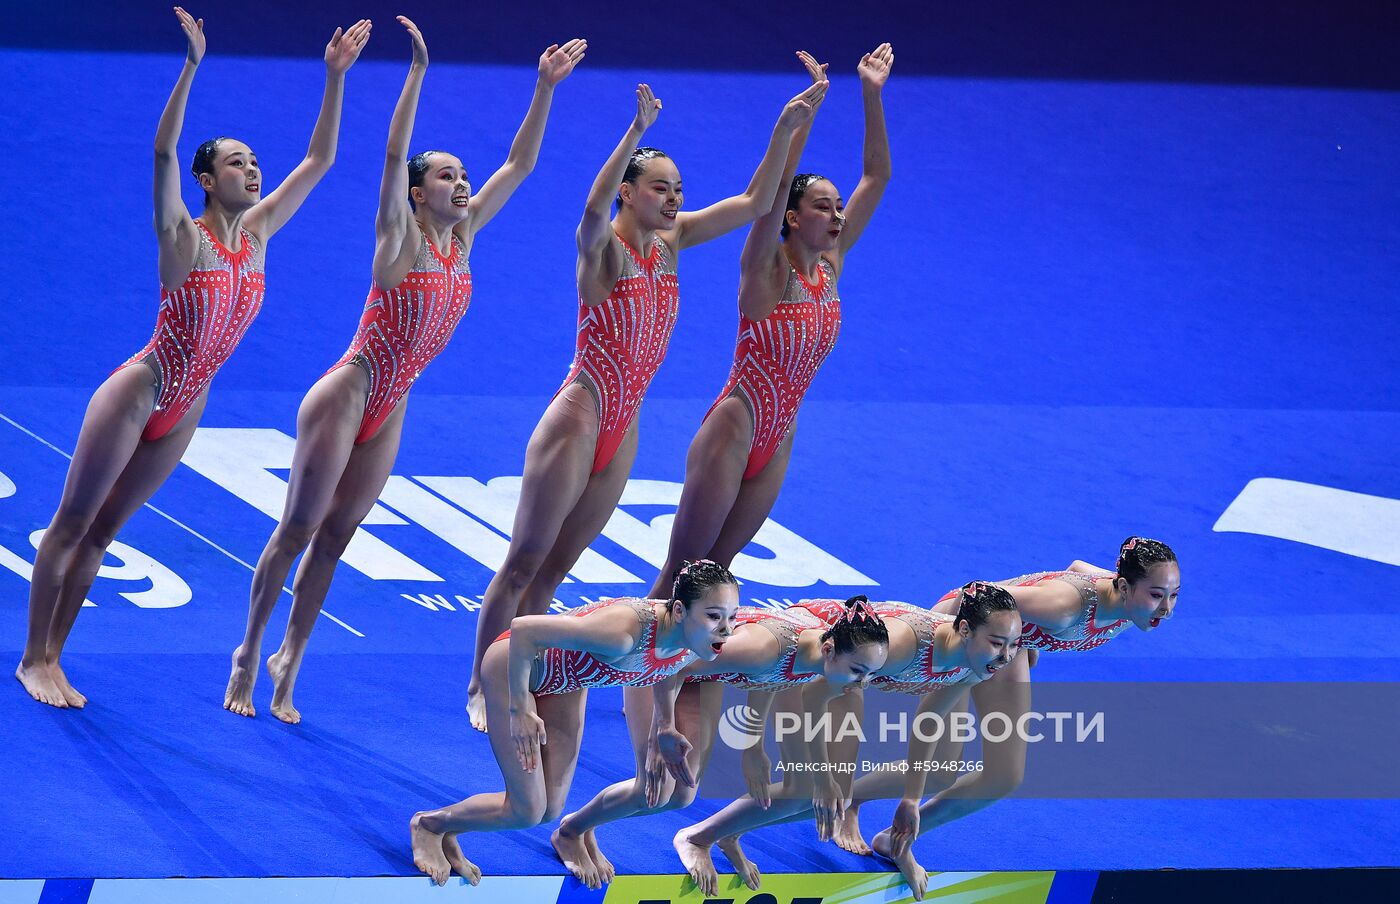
(741, 727)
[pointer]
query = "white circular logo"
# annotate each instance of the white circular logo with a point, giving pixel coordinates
(740, 726)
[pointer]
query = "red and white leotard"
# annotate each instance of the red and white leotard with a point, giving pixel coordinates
(559, 671)
(776, 358)
(404, 328)
(622, 341)
(919, 676)
(200, 324)
(786, 625)
(1085, 634)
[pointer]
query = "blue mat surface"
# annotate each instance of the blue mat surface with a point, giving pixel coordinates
(1085, 310)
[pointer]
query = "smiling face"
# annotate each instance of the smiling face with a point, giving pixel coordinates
(655, 197)
(993, 644)
(1152, 598)
(235, 181)
(708, 622)
(818, 219)
(445, 192)
(853, 668)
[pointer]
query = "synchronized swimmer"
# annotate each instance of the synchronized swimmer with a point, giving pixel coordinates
(674, 652)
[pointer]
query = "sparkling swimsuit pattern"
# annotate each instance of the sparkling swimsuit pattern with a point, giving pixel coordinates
(200, 324)
(776, 358)
(785, 625)
(564, 671)
(404, 328)
(623, 340)
(918, 677)
(1084, 634)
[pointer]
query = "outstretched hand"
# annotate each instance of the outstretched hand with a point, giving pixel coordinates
(194, 35)
(875, 66)
(420, 49)
(345, 46)
(557, 62)
(800, 109)
(648, 108)
(816, 70)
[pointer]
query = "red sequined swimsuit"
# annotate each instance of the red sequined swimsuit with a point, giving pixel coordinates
(776, 358)
(1084, 634)
(622, 341)
(786, 625)
(200, 324)
(404, 328)
(919, 676)
(559, 671)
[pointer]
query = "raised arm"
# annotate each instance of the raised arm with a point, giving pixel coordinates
(874, 70)
(176, 236)
(760, 264)
(608, 634)
(1079, 566)
(555, 64)
(731, 213)
(594, 229)
(395, 243)
(272, 212)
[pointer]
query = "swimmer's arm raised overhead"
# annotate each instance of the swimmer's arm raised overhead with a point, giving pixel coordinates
(595, 229)
(874, 70)
(272, 212)
(731, 213)
(395, 244)
(556, 63)
(176, 235)
(761, 264)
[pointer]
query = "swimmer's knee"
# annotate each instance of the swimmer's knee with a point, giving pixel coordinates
(68, 528)
(293, 536)
(524, 812)
(521, 567)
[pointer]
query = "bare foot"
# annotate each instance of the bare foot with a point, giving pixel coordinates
(847, 835)
(696, 858)
(606, 872)
(460, 864)
(238, 696)
(742, 864)
(476, 708)
(428, 853)
(38, 681)
(573, 853)
(284, 676)
(909, 868)
(69, 692)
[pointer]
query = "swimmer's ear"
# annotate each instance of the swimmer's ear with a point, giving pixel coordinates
(828, 648)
